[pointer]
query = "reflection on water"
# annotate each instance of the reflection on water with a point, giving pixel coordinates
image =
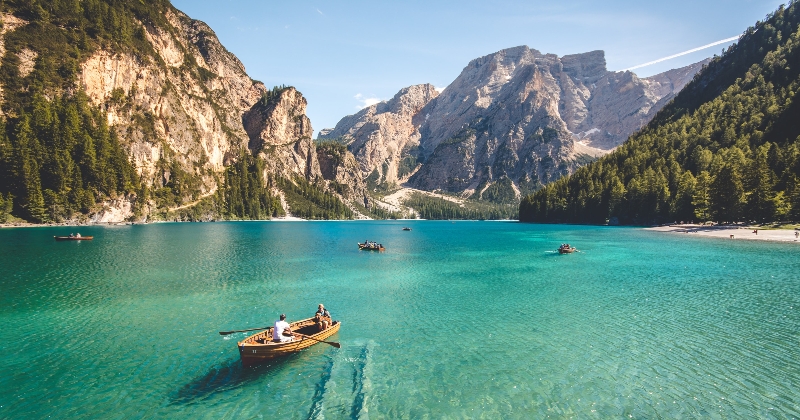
(453, 320)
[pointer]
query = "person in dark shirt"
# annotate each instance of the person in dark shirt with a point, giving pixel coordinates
(322, 317)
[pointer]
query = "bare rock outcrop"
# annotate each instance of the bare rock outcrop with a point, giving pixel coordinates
(516, 114)
(280, 132)
(383, 134)
(195, 105)
(165, 110)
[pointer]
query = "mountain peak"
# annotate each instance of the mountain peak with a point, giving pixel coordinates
(586, 67)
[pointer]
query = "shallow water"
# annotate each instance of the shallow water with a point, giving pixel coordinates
(464, 319)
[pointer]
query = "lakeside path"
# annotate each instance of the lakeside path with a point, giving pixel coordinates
(725, 232)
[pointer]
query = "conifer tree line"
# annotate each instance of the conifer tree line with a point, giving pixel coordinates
(246, 194)
(435, 208)
(310, 201)
(59, 158)
(727, 149)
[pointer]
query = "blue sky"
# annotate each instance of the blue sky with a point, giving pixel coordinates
(344, 54)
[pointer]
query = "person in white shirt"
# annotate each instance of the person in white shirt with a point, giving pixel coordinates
(282, 328)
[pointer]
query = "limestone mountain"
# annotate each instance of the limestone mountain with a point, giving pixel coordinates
(725, 149)
(509, 123)
(159, 89)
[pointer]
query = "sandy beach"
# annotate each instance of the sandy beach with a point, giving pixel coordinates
(731, 232)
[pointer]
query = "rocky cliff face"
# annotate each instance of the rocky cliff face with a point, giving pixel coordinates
(516, 115)
(381, 136)
(195, 104)
(280, 132)
(186, 106)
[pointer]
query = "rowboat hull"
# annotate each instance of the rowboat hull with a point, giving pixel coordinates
(252, 352)
(73, 238)
(566, 250)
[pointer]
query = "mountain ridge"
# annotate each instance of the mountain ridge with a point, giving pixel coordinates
(726, 149)
(516, 114)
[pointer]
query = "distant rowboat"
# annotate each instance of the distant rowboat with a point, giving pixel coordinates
(566, 249)
(73, 238)
(260, 347)
(371, 246)
(406, 228)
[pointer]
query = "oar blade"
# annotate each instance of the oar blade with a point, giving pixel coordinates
(334, 344)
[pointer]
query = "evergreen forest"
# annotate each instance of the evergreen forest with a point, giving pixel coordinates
(58, 157)
(726, 149)
(435, 208)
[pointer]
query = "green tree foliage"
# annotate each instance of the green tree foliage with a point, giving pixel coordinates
(60, 157)
(246, 194)
(435, 208)
(64, 32)
(57, 154)
(6, 205)
(311, 201)
(725, 149)
(271, 96)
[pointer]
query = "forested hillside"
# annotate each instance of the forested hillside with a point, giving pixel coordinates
(57, 154)
(115, 110)
(726, 149)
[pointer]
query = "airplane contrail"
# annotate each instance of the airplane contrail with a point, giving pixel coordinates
(734, 38)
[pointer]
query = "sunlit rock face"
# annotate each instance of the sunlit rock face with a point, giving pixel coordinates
(516, 115)
(194, 104)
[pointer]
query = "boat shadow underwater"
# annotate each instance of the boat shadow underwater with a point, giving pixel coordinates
(231, 375)
(343, 389)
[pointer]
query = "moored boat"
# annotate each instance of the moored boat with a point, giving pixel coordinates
(406, 228)
(371, 246)
(566, 249)
(260, 347)
(73, 238)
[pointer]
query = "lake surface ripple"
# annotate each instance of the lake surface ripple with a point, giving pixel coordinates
(454, 320)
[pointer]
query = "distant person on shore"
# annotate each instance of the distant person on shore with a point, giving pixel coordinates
(796, 234)
(322, 317)
(282, 332)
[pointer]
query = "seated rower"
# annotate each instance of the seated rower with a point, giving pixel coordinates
(322, 317)
(282, 333)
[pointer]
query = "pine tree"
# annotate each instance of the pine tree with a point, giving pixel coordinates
(727, 194)
(701, 199)
(761, 204)
(30, 188)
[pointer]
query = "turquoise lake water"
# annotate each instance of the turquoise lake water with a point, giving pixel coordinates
(454, 320)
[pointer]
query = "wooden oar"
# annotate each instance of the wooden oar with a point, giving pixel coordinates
(251, 329)
(333, 343)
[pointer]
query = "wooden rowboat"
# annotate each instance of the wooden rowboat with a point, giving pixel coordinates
(255, 349)
(371, 246)
(73, 238)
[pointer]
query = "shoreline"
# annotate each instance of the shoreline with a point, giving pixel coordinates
(275, 219)
(731, 232)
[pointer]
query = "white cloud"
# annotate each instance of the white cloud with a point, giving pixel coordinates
(365, 102)
(320, 12)
(439, 89)
(723, 41)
